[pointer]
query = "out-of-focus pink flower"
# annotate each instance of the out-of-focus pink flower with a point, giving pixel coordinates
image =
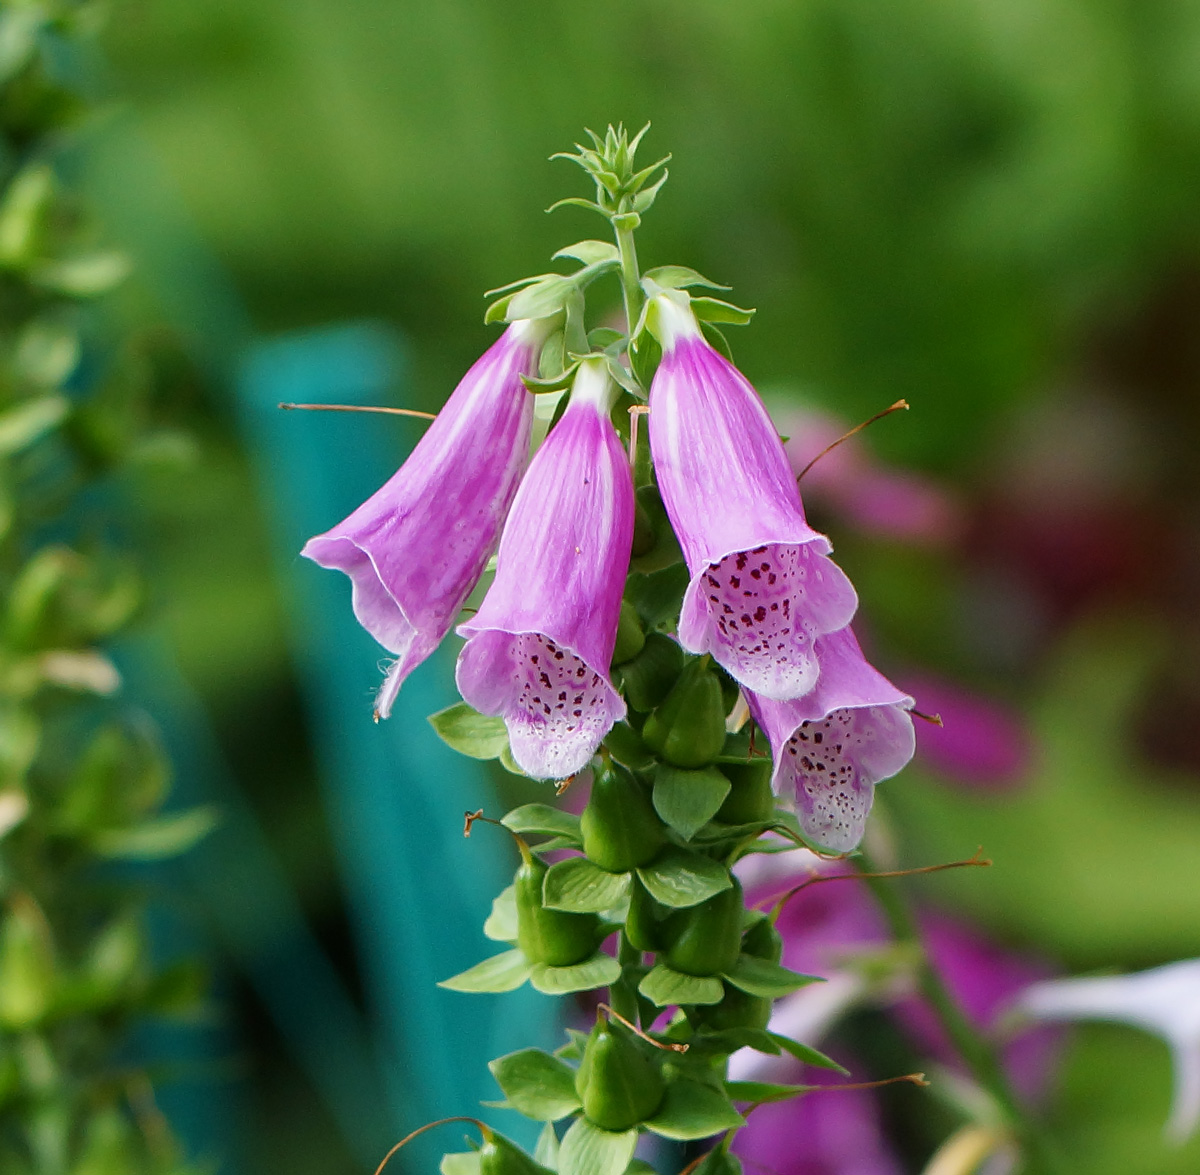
(762, 586)
(416, 547)
(834, 744)
(820, 1134)
(538, 650)
(981, 743)
(868, 494)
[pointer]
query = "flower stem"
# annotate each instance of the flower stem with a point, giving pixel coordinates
(621, 995)
(976, 1052)
(630, 278)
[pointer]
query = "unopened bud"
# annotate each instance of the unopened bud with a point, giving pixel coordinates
(621, 829)
(648, 678)
(617, 1082)
(631, 637)
(688, 729)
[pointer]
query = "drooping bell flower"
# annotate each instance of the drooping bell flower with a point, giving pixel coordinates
(762, 586)
(834, 744)
(416, 547)
(538, 650)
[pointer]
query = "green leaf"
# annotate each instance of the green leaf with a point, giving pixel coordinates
(573, 1049)
(470, 733)
(719, 1161)
(679, 277)
(503, 972)
(761, 977)
(47, 352)
(645, 198)
(461, 1163)
(729, 1040)
(501, 924)
(806, 1053)
(543, 818)
(760, 1092)
(716, 339)
(547, 1149)
(688, 800)
(691, 1110)
(714, 310)
(600, 970)
(581, 886)
(588, 1150)
(541, 299)
(541, 1086)
(664, 986)
(680, 879)
(165, 836)
(589, 252)
(30, 421)
(85, 276)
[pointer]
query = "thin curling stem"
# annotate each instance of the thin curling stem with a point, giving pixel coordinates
(979, 1056)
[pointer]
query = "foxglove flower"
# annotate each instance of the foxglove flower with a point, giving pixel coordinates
(762, 587)
(834, 744)
(538, 651)
(1165, 1000)
(416, 548)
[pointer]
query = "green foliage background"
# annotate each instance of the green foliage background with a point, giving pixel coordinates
(985, 206)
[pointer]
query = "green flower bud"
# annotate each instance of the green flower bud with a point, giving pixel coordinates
(630, 635)
(617, 1082)
(707, 939)
(688, 729)
(553, 937)
(499, 1156)
(621, 829)
(750, 798)
(648, 678)
(643, 925)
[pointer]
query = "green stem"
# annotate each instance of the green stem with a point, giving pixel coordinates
(980, 1057)
(621, 997)
(631, 287)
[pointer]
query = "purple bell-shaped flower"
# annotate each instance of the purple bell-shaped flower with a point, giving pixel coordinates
(762, 586)
(834, 744)
(416, 547)
(538, 651)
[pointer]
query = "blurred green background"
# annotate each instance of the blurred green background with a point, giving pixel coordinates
(988, 207)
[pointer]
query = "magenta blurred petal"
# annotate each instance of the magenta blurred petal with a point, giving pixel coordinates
(538, 651)
(834, 1133)
(415, 548)
(762, 586)
(981, 742)
(833, 745)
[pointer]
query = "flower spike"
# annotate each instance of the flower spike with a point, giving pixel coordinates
(538, 651)
(762, 586)
(832, 746)
(415, 548)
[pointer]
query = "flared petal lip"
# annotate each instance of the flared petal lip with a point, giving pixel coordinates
(315, 549)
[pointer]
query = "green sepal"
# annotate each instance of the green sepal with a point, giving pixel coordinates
(589, 252)
(501, 924)
(687, 800)
(761, 1092)
(506, 760)
(543, 818)
(679, 878)
(503, 972)
(552, 359)
(603, 337)
(538, 1085)
(663, 986)
(679, 277)
(501, 1156)
(719, 1161)
(645, 198)
(460, 1163)
(582, 887)
(546, 1151)
(691, 1110)
(761, 977)
(588, 1150)
(600, 970)
(640, 1167)
(714, 310)
(806, 1053)
(645, 354)
(465, 730)
(573, 1049)
(559, 382)
(626, 746)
